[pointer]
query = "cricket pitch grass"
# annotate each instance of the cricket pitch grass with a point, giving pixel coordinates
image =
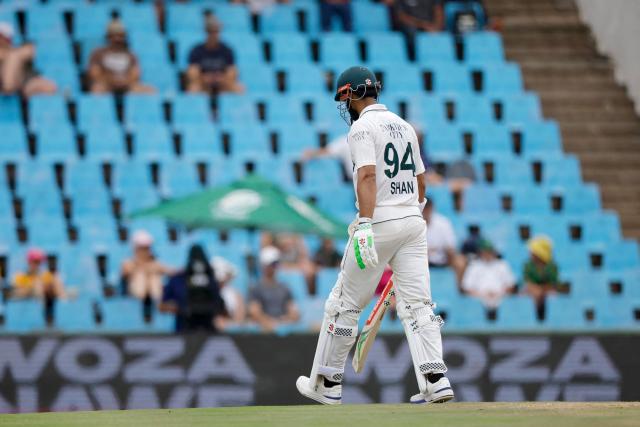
(454, 414)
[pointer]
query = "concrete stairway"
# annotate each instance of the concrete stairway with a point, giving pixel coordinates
(559, 61)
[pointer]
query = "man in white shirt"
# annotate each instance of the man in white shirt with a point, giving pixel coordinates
(336, 149)
(441, 239)
(389, 181)
(488, 278)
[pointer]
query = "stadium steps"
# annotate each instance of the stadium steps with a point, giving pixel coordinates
(576, 85)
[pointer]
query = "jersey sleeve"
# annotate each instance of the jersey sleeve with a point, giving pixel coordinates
(362, 146)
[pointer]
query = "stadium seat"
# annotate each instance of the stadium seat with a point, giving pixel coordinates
(45, 110)
(294, 138)
(490, 140)
(582, 199)
(541, 138)
(258, 79)
(178, 178)
(369, 17)
(441, 196)
(434, 48)
(122, 315)
(74, 316)
(325, 280)
(279, 19)
(248, 142)
(501, 79)
(563, 312)
(184, 18)
(443, 284)
(90, 21)
(521, 108)
(14, 144)
(305, 79)
(95, 110)
(516, 312)
(152, 142)
(483, 47)
(10, 110)
(284, 110)
(443, 142)
(450, 78)
(234, 108)
(200, 141)
(247, 48)
(149, 47)
(131, 174)
(234, 18)
(190, 108)
(462, 313)
(347, 54)
(400, 80)
(601, 227)
(385, 49)
(82, 174)
(473, 109)
(622, 255)
(56, 142)
(289, 48)
(139, 18)
(481, 199)
(531, 201)
(137, 198)
(424, 108)
(46, 231)
(561, 172)
(104, 142)
(143, 109)
(24, 316)
(96, 229)
(64, 75)
(44, 20)
(512, 172)
(184, 43)
(615, 313)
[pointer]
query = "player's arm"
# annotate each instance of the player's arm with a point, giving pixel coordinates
(366, 190)
(422, 186)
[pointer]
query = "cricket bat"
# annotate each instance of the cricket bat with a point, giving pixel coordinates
(371, 327)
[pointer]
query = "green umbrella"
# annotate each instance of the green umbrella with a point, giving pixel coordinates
(252, 202)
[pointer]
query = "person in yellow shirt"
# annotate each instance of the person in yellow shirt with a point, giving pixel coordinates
(35, 282)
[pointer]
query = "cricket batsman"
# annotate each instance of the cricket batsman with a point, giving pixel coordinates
(389, 180)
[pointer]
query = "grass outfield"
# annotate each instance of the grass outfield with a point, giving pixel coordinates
(453, 414)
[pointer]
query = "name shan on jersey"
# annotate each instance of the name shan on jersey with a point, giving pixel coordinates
(403, 187)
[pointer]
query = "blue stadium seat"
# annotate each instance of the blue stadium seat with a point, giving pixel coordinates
(184, 18)
(541, 138)
(139, 18)
(289, 48)
(46, 231)
(184, 43)
(601, 227)
(463, 313)
(258, 79)
(54, 50)
(295, 137)
(513, 172)
(236, 108)
(332, 57)
(516, 312)
(502, 79)
(143, 109)
(150, 48)
(385, 49)
(14, 144)
(279, 19)
(630, 283)
(482, 47)
(82, 174)
(582, 199)
(152, 142)
(90, 201)
(97, 230)
(24, 316)
(481, 199)
(104, 142)
(615, 313)
(200, 141)
(122, 314)
(450, 78)
(473, 109)
(491, 140)
(295, 281)
(74, 316)
(521, 108)
(435, 48)
(284, 110)
(10, 110)
(443, 142)
(427, 109)
(135, 198)
(45, 110)
(94, 110)
(90, 21)
(531, 201)
(622, 255)
(442, 199)
(325, 280)
(234, 18)
(163, 322)
(321, 174)
(44, 20)
(574, 260)
(305, 79)
(564, 312)
(443, 283)
(562, 171)
(326, 116)
(248, 142)
(247, 48)
(56, 142)
(191, 108)
(369, 17)
(402, 80)
(131, 174)
(64, 75)
(178, 178)
(87, 47)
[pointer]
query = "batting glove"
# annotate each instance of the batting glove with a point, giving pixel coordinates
(363, 246)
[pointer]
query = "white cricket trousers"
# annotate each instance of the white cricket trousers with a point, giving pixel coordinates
(401, 243)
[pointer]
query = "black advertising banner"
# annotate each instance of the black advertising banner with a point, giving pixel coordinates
(53, 373)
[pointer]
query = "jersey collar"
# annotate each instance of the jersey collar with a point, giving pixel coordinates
(373, 107)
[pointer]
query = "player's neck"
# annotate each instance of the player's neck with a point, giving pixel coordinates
(360, 104)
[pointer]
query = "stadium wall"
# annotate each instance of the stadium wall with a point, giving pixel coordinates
(616, 26)
(45, 373)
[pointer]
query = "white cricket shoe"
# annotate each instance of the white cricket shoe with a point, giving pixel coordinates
(438, 392)
(324, 395)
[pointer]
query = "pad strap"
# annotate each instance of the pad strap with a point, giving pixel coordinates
(338, 330)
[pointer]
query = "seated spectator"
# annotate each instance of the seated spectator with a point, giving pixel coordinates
(338, 8)
(327, 255)
(293, 255)
(211, 64)
(487, 277)
(463, 16)
(114, 67)
(38, 283)
(194, 297)
(540, 272)
(441, 241)
(16, 67)
(336, 149)
(233, 301)
(270, 301)
(142, 274)
(415, 16)
(459, 174)
(259, 6)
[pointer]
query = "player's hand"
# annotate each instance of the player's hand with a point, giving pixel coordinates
(363, 245)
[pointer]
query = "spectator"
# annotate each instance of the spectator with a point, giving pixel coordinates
(540, 272)
(293, 255)
(415, 16)
(339, 8)
(336, 149)
(16, 67)
(194, 297)
(114, 68)
(441, 241)
(233, 301)
(270, 302)
(211, 64)
(459, 174)
(487, 277)
(327, 255)
(259, 6)
(142, 274)
(35, 283)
